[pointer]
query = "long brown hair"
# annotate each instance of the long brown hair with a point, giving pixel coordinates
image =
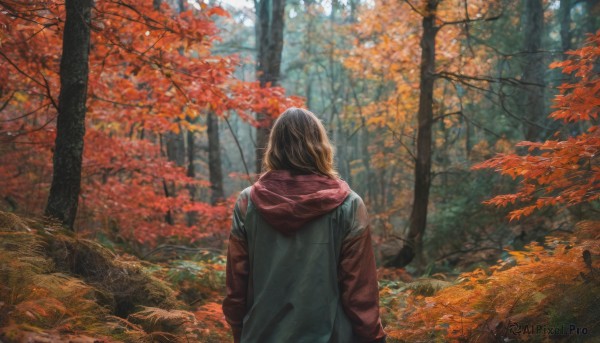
(299, 142)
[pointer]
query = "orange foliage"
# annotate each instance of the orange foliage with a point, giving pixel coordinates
(386, 55)
(561, 171)
(547, 291)
(387, 49)
(151, 74)
(215, 325)
(491, 305)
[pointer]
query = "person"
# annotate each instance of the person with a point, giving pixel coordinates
(300, 265)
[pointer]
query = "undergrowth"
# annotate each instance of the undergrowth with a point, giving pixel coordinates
(546, 293)
(56, 287)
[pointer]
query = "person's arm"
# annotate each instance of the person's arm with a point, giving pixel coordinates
(237, 271)
(358, 279)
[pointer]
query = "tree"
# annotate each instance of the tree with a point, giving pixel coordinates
(151, 73)
(565, 24)
(269, 45)
(561, 171)
(214, 159)
(482, 305)
(70, 128)
(418, 216)
(388, 47)
(534, 106)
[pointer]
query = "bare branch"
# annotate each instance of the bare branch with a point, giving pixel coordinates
(24, 115)
(6, 102)
(509, 80)
(414, 8)
(237, 142)
(441, 116)
(20, 70)
(116, 103)
(48, 92)
(399, 140)
(468, 21)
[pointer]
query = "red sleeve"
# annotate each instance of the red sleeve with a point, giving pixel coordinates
(237, 270)
(234, 305)
(358, 280)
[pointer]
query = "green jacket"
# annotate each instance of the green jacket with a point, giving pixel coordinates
(311, 282)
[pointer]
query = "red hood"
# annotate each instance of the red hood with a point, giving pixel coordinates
(287, 201)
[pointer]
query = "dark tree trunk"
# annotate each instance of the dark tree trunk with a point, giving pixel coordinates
(369, 178)
(269, 44)
(175, 153)
(353, 9)
(168, 216)
(191, 172)
(418, 216)
(533, 73)
(70, 127)
(175, 147)
(214, 159)
(591, 22)
(565, 24)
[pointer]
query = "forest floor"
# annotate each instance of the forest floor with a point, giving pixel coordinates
(55, 287)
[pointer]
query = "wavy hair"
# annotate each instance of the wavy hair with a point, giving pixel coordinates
(298, 142)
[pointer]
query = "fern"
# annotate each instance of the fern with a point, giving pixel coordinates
(551, 285)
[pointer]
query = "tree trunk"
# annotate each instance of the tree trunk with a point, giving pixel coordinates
(70, 127)
(369, 177)
(418, 216)
(533, 73)
(591, 22)
(191, 172)
(269, 44)
(214, 159)
(175, 147)
(168, 216)
(565, 25)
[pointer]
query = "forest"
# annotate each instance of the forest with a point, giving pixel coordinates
(470, 128)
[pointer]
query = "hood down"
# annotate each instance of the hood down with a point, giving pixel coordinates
(287, 201)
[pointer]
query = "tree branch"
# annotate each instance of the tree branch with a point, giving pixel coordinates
(468, 21)
(414, 8)
(237, 142)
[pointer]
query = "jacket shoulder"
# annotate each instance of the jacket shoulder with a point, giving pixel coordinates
(246, 192)
(242, 201)
(354, 214)
(352, 201)
(240, 209)
(353, 197)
